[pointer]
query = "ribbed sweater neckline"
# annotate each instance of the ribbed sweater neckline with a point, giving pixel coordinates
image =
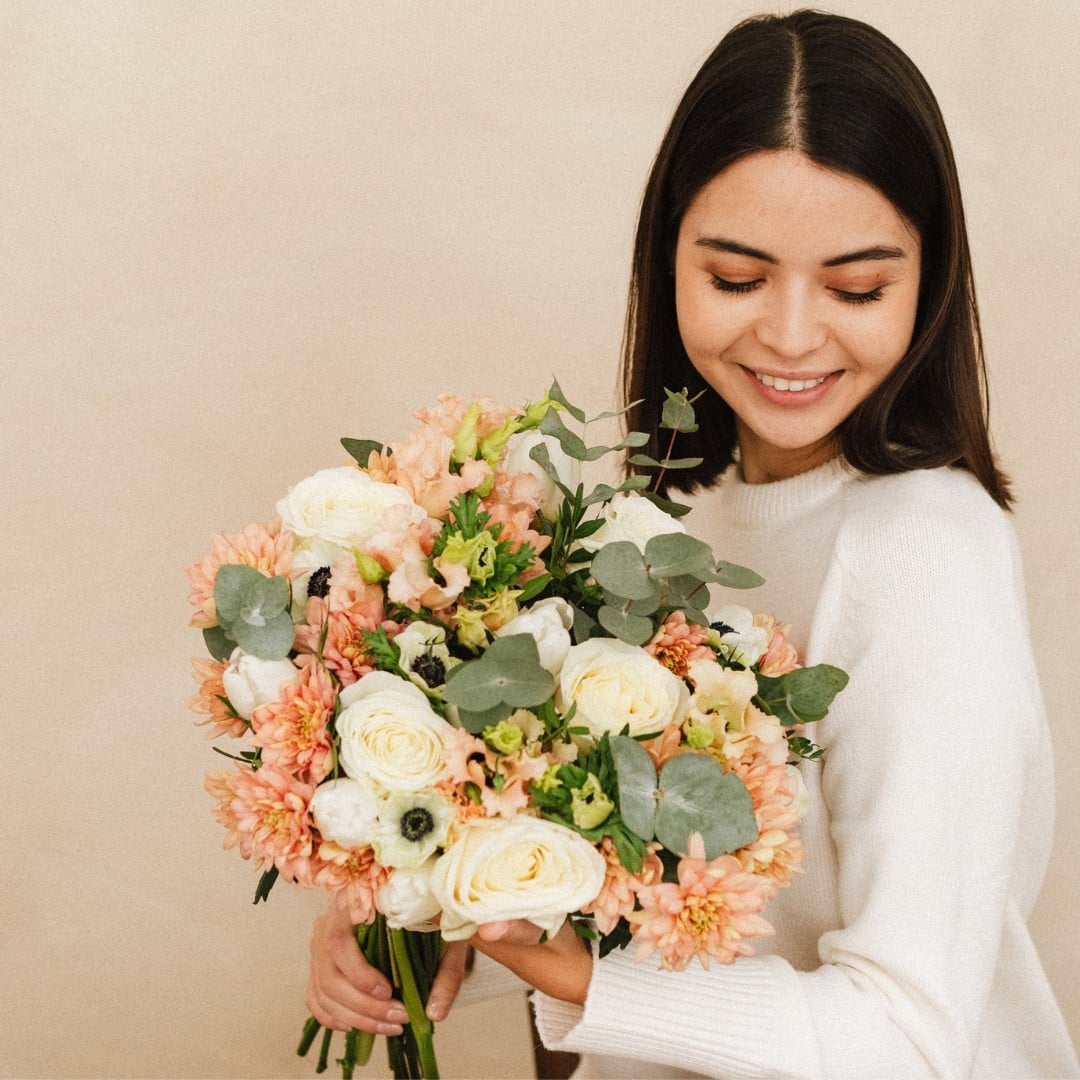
(782, 500)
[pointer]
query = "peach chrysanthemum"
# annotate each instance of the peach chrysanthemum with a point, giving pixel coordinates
(616, 897)
(269, 810)
(293, 731)
(263, 547)
(777, 853)
(356, 872)
(709, 913)
(212, 702)
(678, 643)
(340, 636)
(780, 655)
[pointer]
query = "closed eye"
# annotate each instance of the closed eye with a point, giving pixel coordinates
(734, 286)
(858, 297)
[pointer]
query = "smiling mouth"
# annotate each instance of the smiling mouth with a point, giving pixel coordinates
(791, 385)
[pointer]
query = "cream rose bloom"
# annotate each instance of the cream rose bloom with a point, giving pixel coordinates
(343, 506)
(407, 900)
(548, 622)
(346, 811)
(615, 684)
(250, 682)
(389, 733)
(632, 517)
(514, 868)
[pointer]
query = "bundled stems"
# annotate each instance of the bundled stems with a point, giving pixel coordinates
(409, 959)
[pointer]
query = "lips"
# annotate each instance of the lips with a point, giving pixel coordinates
(785, 390)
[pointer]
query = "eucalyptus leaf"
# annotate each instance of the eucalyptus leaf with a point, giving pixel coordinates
(801, 696)
(637, 785)
(269, 640)
(619, 567)
(474, 722)
(696, 795)
(677, 413)
(737, 577)
(669, 506)
(361, 449)
(573, 445)
(231, 587)
(556, 394)
(668, 463)
(218, 643)
(676, 554)
(635, 483)
(508, 672)
(633, 438)
(633, 629)
(584, 625)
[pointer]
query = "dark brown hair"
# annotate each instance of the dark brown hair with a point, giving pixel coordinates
(843, 94)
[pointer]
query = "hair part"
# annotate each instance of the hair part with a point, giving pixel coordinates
(840, 92)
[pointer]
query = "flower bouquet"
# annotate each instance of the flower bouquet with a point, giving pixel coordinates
(468, 689)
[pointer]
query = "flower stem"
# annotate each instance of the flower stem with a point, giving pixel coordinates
(414, 1005)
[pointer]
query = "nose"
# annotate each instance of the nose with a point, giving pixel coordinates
(789, 323)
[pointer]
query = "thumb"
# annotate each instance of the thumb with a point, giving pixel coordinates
(447, 982)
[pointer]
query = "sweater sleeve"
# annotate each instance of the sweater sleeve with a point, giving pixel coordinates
(928, 753)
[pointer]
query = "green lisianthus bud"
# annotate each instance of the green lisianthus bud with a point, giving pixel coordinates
(491, 449)
(535, 413)
(370, 569)
(471, 631)
(465, 438)
(699, 734)
(476, 555)
(504, 737)
(589, 805)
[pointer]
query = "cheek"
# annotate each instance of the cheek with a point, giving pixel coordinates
(705, 330)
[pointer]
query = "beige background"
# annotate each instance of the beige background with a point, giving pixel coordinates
(231, 232)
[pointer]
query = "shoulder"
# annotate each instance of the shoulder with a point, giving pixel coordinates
(926, 517)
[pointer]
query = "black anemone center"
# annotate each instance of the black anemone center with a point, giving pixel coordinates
(319, 582)
(416, 823)
(722, 628)
(431, 669)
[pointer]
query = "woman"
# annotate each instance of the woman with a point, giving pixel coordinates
(802, 256)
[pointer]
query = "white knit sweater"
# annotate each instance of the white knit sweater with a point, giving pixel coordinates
(903, 950)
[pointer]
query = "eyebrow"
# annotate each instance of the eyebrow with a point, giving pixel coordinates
(870, 254)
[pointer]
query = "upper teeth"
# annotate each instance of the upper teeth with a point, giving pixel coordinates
(789, 384)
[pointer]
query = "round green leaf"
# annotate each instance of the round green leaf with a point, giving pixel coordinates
(270, 640)
(696, 795)
(218, 643)
(673, 554)
(737, 577)
(633, 629)
(508, 673)
(620, 568)
(637, 785)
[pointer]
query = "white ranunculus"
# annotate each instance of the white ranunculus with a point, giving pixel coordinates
(389, 733)
(548, 622)
(407, 900)
(517, 460)
(343, 506)
(514, 868)
(740, 640)
(424, 654)
(346, 811)
(632, 517)
(250, 682)
(615, 684)
(413, 825)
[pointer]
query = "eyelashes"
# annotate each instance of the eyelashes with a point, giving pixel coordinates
(739, 288)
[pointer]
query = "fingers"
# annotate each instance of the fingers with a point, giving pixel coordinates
(512, 932)
(344, 991)
(447, 981)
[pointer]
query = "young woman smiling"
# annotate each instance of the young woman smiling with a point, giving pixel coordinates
(802, 258)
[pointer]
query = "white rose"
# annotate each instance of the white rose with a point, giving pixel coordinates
(250, 682)
(514, 868)
(801, 803)
(517, 460)
(346, 811)
(407, 900)
(632, 517)
(614, 684)
(739, 640)
(343, 506)
(548, 622)
(389, 733)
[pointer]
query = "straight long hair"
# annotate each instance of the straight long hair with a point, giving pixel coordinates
(840, 92)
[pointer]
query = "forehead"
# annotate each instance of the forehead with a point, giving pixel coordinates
(781, 202)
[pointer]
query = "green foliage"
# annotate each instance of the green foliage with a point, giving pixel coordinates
(362, 449)
(801, 696)
(266, 883)
(506, 676)
(383, 650)
(692, 794)
(253, 611)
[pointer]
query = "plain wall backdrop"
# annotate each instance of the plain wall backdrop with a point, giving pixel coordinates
(231, 232)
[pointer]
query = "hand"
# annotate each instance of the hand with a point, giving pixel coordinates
(344, 991)
(560, 968)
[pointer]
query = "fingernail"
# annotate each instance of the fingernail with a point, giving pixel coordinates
(382, 992)
(389, 1029)
(397, 1016)
(436, 1009)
